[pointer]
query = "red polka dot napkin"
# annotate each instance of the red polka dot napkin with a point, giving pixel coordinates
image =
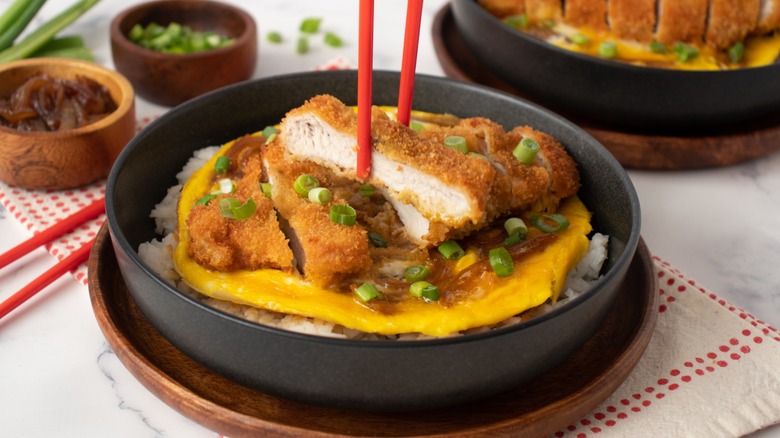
(710, 370)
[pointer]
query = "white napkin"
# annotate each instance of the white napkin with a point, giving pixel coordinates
(710, 370)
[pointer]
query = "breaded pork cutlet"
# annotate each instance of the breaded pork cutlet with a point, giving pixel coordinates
(541, 11)
(434, 188)
(632, 19)
(256, 242)
(503, 8)
(586, 13)
(768, 17)
(730, 21)
(325, 252)
(682, 21)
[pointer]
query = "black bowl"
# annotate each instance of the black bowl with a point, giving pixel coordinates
(614, 93)
(369, 375)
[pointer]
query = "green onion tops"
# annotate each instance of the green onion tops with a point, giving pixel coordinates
(456, 142)
(526, 150)
(451, 250)
(233, 209)
(176, 38)
(550, 223)
(416, 273)
(222, 165)
(320, 195)
(367, 292)
(501, 261)
(377, 240)
(304, 183)
(425, 290)
(343, 214)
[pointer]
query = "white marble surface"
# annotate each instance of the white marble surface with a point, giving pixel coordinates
(58, 377)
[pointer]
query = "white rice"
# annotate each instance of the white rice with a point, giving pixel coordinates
(157, 254)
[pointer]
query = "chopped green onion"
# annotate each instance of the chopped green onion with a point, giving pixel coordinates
(736, 52)
(269, 131)
(302, 46)
(416, 126)
(580, 39)
(333, 40)
(366, 190)
(367, 292)
(226, 186)
(343, 214)
(456, 142)
(377, 240)
(608, 49)
(176, 38)
(526, 150)
(451, 250)
(416, 273)
(311, 25)
(478, 155)
(320, 195)
(206, 199)
(274, 37)
(659, 47)
(550, 223)
(233, 209)
(222, 164)
(266, 188)
(517, 21)
(515, 225)
(425, 290)
(513, 239)
(501, 261)
(684, 52)
(304, 183)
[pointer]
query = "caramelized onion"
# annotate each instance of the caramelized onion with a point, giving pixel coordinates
(46, 103)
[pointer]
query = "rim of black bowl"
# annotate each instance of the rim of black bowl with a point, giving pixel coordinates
(605, 62)
(627, 255)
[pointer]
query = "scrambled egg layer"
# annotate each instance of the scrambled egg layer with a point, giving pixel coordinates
(536, 279)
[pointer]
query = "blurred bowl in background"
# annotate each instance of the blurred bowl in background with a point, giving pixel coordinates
(170, 79)
(56, 160)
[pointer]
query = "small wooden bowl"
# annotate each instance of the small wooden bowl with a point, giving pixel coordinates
(65, 159)
(170, 79)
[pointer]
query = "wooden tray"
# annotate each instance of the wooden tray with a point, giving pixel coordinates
(638, 150)
(544, 406)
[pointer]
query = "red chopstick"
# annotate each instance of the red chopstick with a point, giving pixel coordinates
(365, 72)
(69, 223)
(69, 263)
(409, 63)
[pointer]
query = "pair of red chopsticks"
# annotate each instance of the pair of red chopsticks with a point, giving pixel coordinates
(365, 70)
(69, 263)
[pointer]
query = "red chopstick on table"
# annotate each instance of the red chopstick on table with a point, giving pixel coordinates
(69, 263)
(409, 62)
(365, 72)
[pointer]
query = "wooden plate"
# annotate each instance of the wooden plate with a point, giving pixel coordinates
(638, 150)
(550, 403)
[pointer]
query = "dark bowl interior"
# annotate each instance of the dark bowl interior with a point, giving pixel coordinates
(373, 375)
(615, 93)
(170, 79)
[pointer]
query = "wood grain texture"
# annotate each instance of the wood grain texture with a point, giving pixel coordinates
(714, 147)
(549, 403)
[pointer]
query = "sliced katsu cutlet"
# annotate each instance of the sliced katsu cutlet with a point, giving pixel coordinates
(542, 11)
(730, 21)
(632, 19)
(586, 13)
(325, 252)
(682, 21)
(503, 8)
(768, 17)
(434, 188)
(224, 244)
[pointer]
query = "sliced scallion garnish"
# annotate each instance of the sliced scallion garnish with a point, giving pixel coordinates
(320, 195)
(659, 47)
(333, 40)
(222, 165)
(550, 223)
(501, 261)
(451, 250)
(425, 290)
(233, 209)
(736, 52)
(274, 37)
(302, 46)
(343, 214)
(513, 239)
(580, 39)
(515, 225)
(416, 126)
(226, 186)
(366, 190)
(416, 273)
(457, 142)
(266, 188)
(367, 292)
(304, 183)
(311, 25)
(205, 199)
(526, 150)
(608, 49)
(517, 21)
(377, 239)
(268, 131)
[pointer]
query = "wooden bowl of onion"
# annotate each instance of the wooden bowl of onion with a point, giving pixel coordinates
(63, 122)
(164, 47)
